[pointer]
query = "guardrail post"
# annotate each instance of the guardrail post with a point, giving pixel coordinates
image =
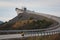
(41, 33)
(52, 33)
(44, 33)
(38, 33)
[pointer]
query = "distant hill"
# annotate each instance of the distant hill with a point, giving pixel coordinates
(1, 22)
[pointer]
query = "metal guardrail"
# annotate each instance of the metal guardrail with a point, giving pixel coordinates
(28, 33)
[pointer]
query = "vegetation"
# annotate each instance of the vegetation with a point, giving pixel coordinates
(27, 21)
(27, 24)
(38, 24)
(31, 18)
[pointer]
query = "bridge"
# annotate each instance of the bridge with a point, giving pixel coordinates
(38, 32)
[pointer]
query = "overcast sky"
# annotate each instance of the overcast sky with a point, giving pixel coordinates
(7, 7)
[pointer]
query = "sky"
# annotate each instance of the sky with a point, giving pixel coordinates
(7, 7)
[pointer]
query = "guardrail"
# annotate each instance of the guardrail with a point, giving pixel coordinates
(28, 34)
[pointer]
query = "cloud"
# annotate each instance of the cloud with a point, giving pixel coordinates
(40, 3)
(7, 4)
(4, 19)
(30, 3)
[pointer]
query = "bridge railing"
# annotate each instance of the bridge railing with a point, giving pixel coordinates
(28, 32)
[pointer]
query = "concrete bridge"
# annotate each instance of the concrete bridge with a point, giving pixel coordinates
(37, 32)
